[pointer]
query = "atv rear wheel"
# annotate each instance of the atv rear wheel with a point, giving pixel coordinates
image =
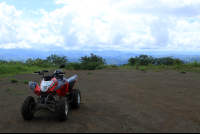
(62, 108)
(76, 99)
(28, 108)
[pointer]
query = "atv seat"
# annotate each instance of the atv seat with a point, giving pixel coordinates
(48, 78)
(72, 79)
(61, 81)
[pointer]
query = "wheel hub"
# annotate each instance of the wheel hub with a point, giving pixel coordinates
(79, 99)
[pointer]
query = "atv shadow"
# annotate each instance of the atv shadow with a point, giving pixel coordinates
(46, 115)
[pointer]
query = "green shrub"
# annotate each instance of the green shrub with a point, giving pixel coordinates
(177, 66)
(92, 66)
(25, 81)
(183, 72)
(13, 80)
(131, 61)
(8, 89)
(137, 65)
(178, 62)
(113, 66)
(92, 62)
(142, 68)
(195, 64)
(100, 67)
(162, 66)
(74, 66)
(89, 73)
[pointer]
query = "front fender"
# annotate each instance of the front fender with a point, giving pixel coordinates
(32, 85)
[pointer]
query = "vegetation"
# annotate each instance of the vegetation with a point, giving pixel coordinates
(13, 80)
(8, 89)
(89, 73)
(94, 62)
(142, 68)
(144, 60)
(25, 81)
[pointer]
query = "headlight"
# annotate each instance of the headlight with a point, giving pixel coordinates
(45, 85)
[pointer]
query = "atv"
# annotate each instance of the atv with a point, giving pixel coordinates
(55, 93)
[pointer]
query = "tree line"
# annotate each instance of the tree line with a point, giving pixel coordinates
(92, 62)
(144, 60)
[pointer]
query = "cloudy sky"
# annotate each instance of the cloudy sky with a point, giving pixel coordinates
(125, 25)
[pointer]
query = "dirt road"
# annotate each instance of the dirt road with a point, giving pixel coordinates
(113, 101)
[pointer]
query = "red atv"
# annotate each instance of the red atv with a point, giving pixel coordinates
(55, 93)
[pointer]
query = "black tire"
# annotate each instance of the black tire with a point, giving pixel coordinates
(76, 95)
(28, 108)
(62, 108)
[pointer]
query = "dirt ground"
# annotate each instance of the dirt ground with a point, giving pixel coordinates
(113, 101)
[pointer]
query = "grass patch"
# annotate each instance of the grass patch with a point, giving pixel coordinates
(13, 80)
(89, 131)
(183, 72)
(25, 81)
(89, 73)
(142, 68)
(8, 89)
(137, 66)
(16, 93)
(11, 70)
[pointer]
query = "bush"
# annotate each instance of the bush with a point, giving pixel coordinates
(142, 68)
(195, 64)
(137, 65)
(57, 60)
(183, 72)
(177, 62)
(25, 81)
(177, 66)
(144, 60)
(100, 67)
(14, 80)
(131, 61)
(92, 63)
(91, 66)
(74, 66)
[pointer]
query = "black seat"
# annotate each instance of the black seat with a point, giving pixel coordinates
(47, 78)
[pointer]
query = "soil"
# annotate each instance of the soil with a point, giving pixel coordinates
(113, 101)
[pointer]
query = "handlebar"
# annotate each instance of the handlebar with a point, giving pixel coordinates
(36, 72)
(42, 73)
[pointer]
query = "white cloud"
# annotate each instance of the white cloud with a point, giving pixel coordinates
(106, 24)
(35, 12)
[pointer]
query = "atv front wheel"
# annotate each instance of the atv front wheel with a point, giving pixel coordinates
(62, 108)
(76, 99)
(28, 108)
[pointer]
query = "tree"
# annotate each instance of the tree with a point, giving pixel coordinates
(92, 62)
(131, 61)
(57, 60)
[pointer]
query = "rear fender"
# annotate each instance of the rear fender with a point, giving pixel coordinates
(71, 82)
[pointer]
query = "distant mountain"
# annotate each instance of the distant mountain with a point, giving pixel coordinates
(111, 56)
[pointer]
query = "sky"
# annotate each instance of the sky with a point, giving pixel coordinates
(125, 25)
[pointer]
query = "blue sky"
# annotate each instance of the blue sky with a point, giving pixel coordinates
(125, 25)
